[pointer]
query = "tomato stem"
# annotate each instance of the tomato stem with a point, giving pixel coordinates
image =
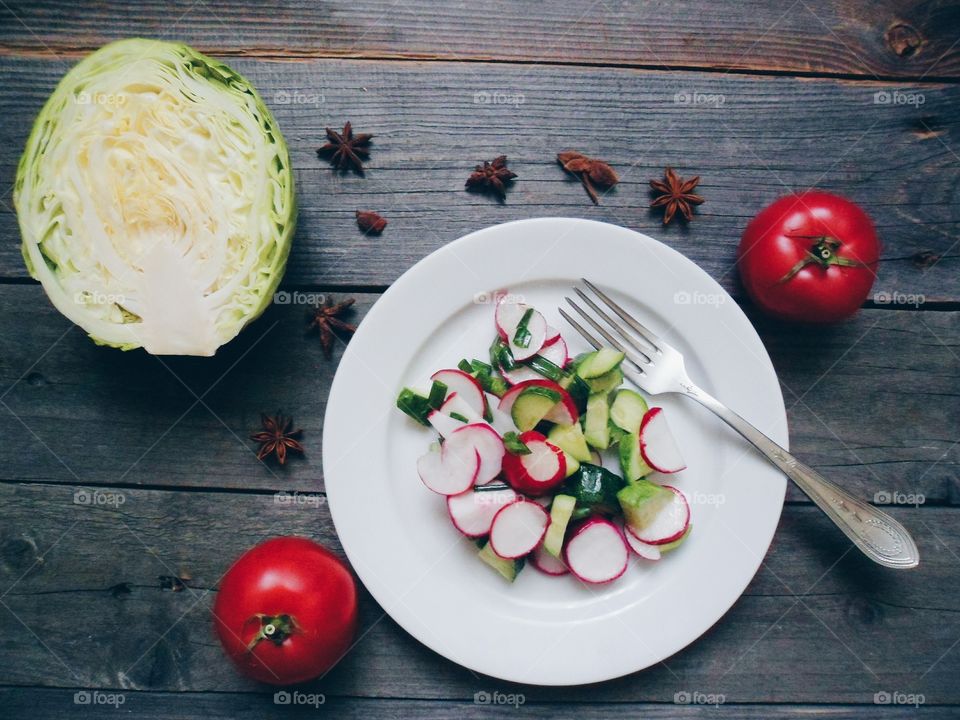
(275, 628)
(822, 252)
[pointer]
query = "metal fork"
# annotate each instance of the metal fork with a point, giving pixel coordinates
(656, 367)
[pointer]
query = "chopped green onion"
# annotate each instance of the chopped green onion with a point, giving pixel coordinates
(514, 445)
(522, 337)
(415, 405)
(438, 393)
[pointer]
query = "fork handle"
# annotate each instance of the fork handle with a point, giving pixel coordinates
(878, 535)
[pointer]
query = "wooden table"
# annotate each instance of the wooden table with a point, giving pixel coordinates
(757, 97)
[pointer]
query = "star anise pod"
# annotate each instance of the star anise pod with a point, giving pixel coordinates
(326, 318)
(370, 222)
(277, 438)
(492, 176)
(676, 194)
(346, 150)
(593, 173)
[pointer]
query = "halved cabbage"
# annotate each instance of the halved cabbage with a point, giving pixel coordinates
(155, 199)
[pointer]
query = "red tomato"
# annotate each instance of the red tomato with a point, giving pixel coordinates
(810, 257)
(286, 611)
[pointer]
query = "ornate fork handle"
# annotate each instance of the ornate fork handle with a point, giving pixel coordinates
(872, 530)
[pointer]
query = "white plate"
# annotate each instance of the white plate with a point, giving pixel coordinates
(545, 630)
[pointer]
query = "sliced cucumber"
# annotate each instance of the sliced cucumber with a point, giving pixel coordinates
(578, 388)
(595, 488)
(569, 438)
(628, 409)
(560, 513)
(673, 545)
(600, 362)
(641, 501)
(607, 382)
(508, 568)
(631, 461)
(616, 433)
(595, 428)
(532, 405)
(573, 465)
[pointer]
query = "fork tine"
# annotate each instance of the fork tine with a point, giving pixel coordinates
(579, 328)
(646, 333)
(630, 340)
(628, 353)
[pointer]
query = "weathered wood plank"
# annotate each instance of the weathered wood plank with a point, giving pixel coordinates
(43, 702)
(855, 37)
(85, 606)
(768, 136)
(877, 406)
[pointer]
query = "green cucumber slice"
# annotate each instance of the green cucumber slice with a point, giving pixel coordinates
(569, 438)
(628, 409)
(600, 362)
(641, 501)
(532, 405)
(607, 382)
(595, 488)
(595, 428)
(508, 568)
(573, 465)
(631, 461)
(560, 513)
(577, 387)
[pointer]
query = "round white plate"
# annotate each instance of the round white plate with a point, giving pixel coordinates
(396, 533)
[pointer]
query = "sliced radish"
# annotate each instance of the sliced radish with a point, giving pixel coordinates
(499, 420)
(449, 472)
(518, 528)
(644, 550)
(657, 445)
(552, 335)
(465, 386)
(539, 471)
(547, 563)
(487, 444)
(596, 458)
(536, 334)
(455, 404)
(667, 525)
(597, 552)
(444, 424)
(472, 512)
(507, 316)
(555, 352)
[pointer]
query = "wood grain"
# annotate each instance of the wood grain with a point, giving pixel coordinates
(31, 702)
(88, 605)
(767, 137)
(873, 403)
(852, 37)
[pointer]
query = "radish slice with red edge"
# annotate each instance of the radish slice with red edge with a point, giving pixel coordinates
(668, 525)
(547, 563)
(444, 424)
(485, 442)
(449, 473)
(657, 445)
(552, 335)
(455, 404)
(540, 470)
(500, 421)
(507, 315)
(472, 512)
(564, 412)
(518, 528)
(597, 552)
(526, 344)
(644, 550)
(465, 386)
(555, 352)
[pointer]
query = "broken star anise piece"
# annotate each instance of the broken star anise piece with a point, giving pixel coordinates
(326, 318)
(675, 194)
(346, 150)
(370, 222)
(491, 177)
(277, 438)
(593, 173)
